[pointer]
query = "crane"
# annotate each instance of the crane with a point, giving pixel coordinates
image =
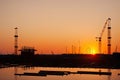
(99, 39)
(16, 41)
(109, 36)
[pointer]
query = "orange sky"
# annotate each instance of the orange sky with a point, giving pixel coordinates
(51, 25)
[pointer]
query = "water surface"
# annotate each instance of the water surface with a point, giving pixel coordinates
(8, 74)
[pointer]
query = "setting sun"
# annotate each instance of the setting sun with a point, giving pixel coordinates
(93, 51)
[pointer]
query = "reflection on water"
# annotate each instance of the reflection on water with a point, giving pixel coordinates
(15, 71)
(8, 74)
(109, 77)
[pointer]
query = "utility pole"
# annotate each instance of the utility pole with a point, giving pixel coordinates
(79, 48)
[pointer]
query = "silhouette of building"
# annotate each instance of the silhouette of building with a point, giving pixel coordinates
(27, 51)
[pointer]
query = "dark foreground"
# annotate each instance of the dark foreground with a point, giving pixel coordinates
(64, 60)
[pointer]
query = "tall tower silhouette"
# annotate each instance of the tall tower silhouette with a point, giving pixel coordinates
(16, 41)
(109, 36)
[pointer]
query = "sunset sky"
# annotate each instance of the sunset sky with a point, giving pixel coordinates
(53, 25)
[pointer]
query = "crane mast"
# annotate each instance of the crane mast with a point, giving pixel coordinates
(16, 41)
(109, 36)
(99, 43)
(99, 39)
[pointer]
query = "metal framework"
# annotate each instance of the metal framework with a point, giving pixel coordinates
(16, 41)
(109, 36)
(99, 39)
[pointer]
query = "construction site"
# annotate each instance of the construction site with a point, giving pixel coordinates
(99, 39)
(100, 60)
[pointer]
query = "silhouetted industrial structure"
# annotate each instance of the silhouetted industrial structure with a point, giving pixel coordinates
(16, 41)
(109, 36)
(27, 51)
(99, 39)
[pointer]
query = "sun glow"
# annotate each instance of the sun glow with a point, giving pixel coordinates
(93, 51)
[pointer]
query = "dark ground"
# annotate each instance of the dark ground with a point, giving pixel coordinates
(64, 60)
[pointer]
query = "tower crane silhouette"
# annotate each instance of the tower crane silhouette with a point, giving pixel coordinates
(99, 39)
